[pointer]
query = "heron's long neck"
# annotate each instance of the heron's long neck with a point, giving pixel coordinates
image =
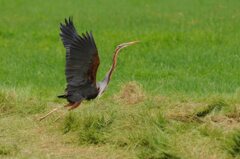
(114, 63)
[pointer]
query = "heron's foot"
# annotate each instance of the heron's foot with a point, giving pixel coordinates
(74, 105)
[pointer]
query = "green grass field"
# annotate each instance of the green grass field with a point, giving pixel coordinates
(174, 95)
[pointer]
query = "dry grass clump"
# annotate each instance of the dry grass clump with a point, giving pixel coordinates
(235, 114)
(184, 111)
(7, 100)
(131, 93)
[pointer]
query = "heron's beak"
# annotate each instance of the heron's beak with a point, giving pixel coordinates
(131, 43)
(127, 44)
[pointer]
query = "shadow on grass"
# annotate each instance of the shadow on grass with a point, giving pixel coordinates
(215, 106)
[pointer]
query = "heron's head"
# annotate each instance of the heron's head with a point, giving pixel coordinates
(123, 45)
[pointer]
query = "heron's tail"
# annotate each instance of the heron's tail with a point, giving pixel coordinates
(62, 96)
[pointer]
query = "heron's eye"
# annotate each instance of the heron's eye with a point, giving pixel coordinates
(119, 46)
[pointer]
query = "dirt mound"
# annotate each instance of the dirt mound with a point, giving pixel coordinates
(131, 93)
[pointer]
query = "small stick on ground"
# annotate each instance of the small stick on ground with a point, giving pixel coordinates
(49, 113)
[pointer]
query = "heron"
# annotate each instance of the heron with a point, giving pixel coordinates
(81, 66)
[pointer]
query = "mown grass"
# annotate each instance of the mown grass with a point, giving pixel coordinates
(234, 144)
(174, 95)
(154, 130)
(156, 127)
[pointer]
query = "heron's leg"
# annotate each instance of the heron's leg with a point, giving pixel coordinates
(75, 105)
(49, 113)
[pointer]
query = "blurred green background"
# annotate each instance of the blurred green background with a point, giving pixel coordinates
(187, 47)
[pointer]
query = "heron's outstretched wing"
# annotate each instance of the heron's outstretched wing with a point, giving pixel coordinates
(82, 59)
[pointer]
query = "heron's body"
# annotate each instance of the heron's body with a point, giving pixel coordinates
(82, 62)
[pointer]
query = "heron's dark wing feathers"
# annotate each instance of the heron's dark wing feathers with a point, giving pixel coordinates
(82, 59)
(68, 33)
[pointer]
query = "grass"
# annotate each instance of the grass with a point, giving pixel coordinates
(234, 144)
(174, 95)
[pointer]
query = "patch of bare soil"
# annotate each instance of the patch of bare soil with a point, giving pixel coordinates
(236, 114)
(226, 122)
(131, 93)
(184, 112)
